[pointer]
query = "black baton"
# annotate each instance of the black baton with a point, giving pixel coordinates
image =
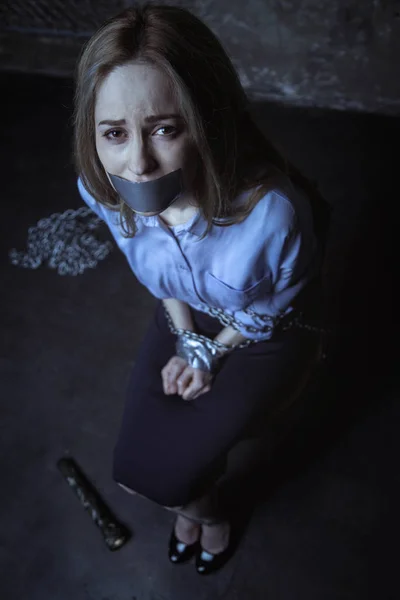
(114, 534)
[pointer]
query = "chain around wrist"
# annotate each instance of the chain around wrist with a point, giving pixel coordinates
(199, 352)
(202, 338)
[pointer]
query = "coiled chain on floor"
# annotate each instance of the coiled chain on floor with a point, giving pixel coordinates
(65, 240)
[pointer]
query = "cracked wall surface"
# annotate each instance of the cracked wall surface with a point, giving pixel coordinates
(330, 53)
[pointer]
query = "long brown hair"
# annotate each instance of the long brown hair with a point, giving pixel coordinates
(234, 155)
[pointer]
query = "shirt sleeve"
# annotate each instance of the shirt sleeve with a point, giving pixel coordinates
(89, 200)
(293, 263)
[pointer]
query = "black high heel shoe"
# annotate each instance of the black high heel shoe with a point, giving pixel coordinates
(207, 563)
(179, 552)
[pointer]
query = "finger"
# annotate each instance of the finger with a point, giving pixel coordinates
(169, 385)
(170, 364)
(205, 385)
(177, 367)
(172, 386)
(174, 363)
(174, 373)
(166, 379)
(205, 389)
(168, 388)
(195, 386)
(171, 371)
(184, 380)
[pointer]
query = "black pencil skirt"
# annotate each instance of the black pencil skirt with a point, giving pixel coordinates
(171, 450)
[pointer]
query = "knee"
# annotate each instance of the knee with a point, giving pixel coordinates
(169, 499)
(172, 500)
(133, 493)
(126, 489)
(174, 508)
(169, 487)
(166, 498)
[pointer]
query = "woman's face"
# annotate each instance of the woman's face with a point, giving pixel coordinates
(140, 134)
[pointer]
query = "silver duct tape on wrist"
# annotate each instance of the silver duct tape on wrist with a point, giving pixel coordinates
(200, 352)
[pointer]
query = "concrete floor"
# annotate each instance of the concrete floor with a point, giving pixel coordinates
(328, 525)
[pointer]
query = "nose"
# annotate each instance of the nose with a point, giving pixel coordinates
(140, 161)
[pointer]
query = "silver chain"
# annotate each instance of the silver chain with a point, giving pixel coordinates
(228, 320)
(65, 240)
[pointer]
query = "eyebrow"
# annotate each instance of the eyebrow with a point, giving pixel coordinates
(149, 119)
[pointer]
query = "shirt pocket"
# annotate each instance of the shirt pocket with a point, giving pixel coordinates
(224, 296)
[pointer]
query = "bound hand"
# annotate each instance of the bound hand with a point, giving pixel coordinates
(179, 378)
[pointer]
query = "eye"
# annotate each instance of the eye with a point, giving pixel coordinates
(113, 134)
(119, 135)
(173, 130)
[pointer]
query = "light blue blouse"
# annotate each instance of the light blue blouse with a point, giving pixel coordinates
(260, 264)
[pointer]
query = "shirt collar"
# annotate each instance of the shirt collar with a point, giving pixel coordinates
(195, 226)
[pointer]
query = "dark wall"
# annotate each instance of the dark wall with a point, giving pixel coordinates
(330, 53)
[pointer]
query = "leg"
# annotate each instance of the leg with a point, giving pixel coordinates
(190, 517)
(127, 489)
(199, 516)
(203, 518)
(173, 452)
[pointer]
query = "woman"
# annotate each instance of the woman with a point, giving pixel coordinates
(198, 200)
